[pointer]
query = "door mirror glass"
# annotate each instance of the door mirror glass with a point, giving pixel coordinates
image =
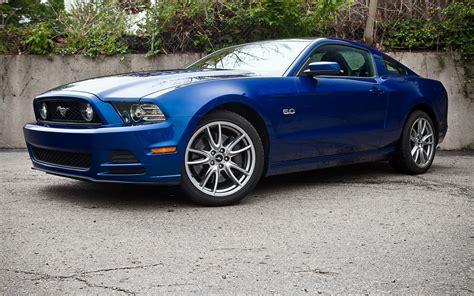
(323, 68)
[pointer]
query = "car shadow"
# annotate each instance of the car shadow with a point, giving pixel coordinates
(131, 196)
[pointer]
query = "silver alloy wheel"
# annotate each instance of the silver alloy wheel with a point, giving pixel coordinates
(220, 158)
(422, 142)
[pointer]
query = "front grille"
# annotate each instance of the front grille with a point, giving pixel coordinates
(63, 158)
(66, 111)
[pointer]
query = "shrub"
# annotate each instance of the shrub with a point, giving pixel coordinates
(97, 27)
(458, 27)
(419, 34)
(39, 40)
(208, 25)
(454, 32)
(11, 38)
(93, 28)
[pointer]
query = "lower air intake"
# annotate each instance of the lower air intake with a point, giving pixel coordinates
(62, 158)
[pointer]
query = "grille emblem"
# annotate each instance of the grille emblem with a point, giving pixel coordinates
(62, 110)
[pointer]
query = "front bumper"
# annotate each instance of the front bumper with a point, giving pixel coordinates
(100, 143)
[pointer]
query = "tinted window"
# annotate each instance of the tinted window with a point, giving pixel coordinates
(353, 61)
(393, 67)
(266, 58)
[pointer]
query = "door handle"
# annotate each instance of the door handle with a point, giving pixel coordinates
(376, 90)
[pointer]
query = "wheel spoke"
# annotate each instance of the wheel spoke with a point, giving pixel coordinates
(234, 142)
(216, 181)
(413, 150)
(417, 154)
(198, 161)
(219, 135)
(240, 150)
(419, 127)
(200, 152)
(422, 156)
(425, 155)
(426, 137)
(211, 139)
(423, 127)
(231, 175)
(208, 174)
(235, 166)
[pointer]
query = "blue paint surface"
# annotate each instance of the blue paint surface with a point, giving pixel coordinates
(337, 120)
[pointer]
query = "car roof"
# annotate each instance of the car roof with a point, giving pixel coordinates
(312, 40)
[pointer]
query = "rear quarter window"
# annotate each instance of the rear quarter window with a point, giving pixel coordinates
(392, 67)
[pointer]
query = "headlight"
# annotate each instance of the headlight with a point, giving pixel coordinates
(139, 113)
(43, 111)
(88, 113)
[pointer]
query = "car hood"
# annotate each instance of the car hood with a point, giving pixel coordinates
(139, 84)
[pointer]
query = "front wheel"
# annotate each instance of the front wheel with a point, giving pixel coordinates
(417, 145)
(223, 161)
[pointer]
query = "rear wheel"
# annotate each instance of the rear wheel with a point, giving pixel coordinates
(223, 160)
(417, 145)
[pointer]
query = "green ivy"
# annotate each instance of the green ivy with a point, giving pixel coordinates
(458, 27)
(454, 32)
(39, 40)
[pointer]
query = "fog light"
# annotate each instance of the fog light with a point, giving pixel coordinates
(43, 111)
(88, 113)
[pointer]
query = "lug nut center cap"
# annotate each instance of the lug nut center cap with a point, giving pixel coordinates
(219, 158)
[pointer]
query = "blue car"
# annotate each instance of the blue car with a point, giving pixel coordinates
(238, 114)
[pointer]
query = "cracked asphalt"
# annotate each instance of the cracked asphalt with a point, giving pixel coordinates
(356, 229)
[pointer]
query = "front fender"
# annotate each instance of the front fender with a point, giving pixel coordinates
(190, 103)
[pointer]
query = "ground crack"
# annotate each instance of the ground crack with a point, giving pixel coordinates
(317, 271)
(80, 276)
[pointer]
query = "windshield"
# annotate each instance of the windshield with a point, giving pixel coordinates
(264, 58)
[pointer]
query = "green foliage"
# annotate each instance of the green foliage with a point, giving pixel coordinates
(208, 25)
(39, 40)
(11, 38)
(27, 12)
(454, 32)
(93, 28)
(458, 27)
(99, 27)
(416, 33)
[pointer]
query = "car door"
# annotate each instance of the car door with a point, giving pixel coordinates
(343, 113)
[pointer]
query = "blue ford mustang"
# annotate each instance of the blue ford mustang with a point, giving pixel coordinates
(243, 112)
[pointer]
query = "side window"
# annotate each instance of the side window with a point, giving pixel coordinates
(393, 67)
(352, 61)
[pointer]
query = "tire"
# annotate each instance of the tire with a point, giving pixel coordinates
(235, 159)
(416, 151)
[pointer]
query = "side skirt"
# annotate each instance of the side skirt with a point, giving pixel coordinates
(320, 162)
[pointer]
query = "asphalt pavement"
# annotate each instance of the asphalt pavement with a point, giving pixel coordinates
(357, 229)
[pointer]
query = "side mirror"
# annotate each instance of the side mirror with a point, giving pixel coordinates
(323, 68)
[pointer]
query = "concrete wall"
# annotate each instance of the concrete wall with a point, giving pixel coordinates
(24, 77)
(447, 69)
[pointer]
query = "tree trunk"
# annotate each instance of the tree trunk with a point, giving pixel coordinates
(369, 25)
